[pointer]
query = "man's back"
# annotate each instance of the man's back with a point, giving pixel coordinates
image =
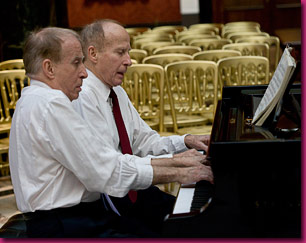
(38, 178)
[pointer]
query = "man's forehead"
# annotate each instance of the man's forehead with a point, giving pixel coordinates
(72, 49)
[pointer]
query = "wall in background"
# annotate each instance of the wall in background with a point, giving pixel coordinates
(128, 12)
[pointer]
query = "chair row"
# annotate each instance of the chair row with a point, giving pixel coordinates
(166, 54)
(183, 35)
(208, 37)
(182, 96)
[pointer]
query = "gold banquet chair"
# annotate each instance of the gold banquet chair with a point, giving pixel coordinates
(138, 43)
(144, 85)
(164, 59)
(138, 54)
(236, 35)
(215, 55)
(226, 31)
(242, 23)
(12, 82)
(210, 44)
(5, 126)
(11, 64)
(243, 70)
(192, 92)
(137, 30)
(182, 34)
(274, 48)
(212, 26)
(151, 46)
(249, 49)
(134, 31)
(169, 28)
(153, 35)
(188, 38)
(189, 50)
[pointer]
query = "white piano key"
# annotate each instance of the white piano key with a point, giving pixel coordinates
(183, 201)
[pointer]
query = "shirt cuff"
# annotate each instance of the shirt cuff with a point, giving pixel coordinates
(145, 176)
(179, 144)
(160, 156)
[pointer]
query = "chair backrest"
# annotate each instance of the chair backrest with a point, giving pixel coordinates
(188, 38)
(189, 50)
(138, 43)
(138, 54)
(210, 44)
(191, 87)
(151, 46)
(12, 64)
(228, 31)
(137, 30)
(167, 28)
(144, 83)
(249, 49)
(217, 27)
(274, 47)
(179, 35)
(242, 24)
(237, 35)
(11, 84)
(243, 70)
(153, 35)
(164, 59)
(215, 55)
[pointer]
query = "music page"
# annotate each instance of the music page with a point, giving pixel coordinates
(276, 88)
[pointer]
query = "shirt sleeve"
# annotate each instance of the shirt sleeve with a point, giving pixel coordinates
(90, 158)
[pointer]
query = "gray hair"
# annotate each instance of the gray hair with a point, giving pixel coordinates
(93, 34)
(43, 44)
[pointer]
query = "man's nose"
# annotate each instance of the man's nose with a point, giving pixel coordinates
(83, 73)
(128, 60)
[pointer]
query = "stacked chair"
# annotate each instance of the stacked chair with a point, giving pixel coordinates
(249, 49)
(240, 51)
(243, 70)
(12, 81)
(192, 92)
(164, 59)
(144, 83)
(189, 50)
(274, 48)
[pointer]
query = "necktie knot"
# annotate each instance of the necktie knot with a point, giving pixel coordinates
(112, 94)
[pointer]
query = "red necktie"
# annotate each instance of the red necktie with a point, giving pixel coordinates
(123, 136)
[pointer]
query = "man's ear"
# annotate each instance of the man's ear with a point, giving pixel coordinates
(48, 68)
(92, 54)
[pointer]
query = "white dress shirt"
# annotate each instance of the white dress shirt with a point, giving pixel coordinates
(56, 160)
(94, 106)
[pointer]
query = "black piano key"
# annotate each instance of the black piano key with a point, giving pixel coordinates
(202, 193)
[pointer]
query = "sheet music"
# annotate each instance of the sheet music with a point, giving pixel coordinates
(276, 87)
(183, 201)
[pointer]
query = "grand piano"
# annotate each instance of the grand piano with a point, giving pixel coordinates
(257, 173)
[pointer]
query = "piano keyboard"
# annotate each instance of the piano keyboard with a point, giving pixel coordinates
(191, 199)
